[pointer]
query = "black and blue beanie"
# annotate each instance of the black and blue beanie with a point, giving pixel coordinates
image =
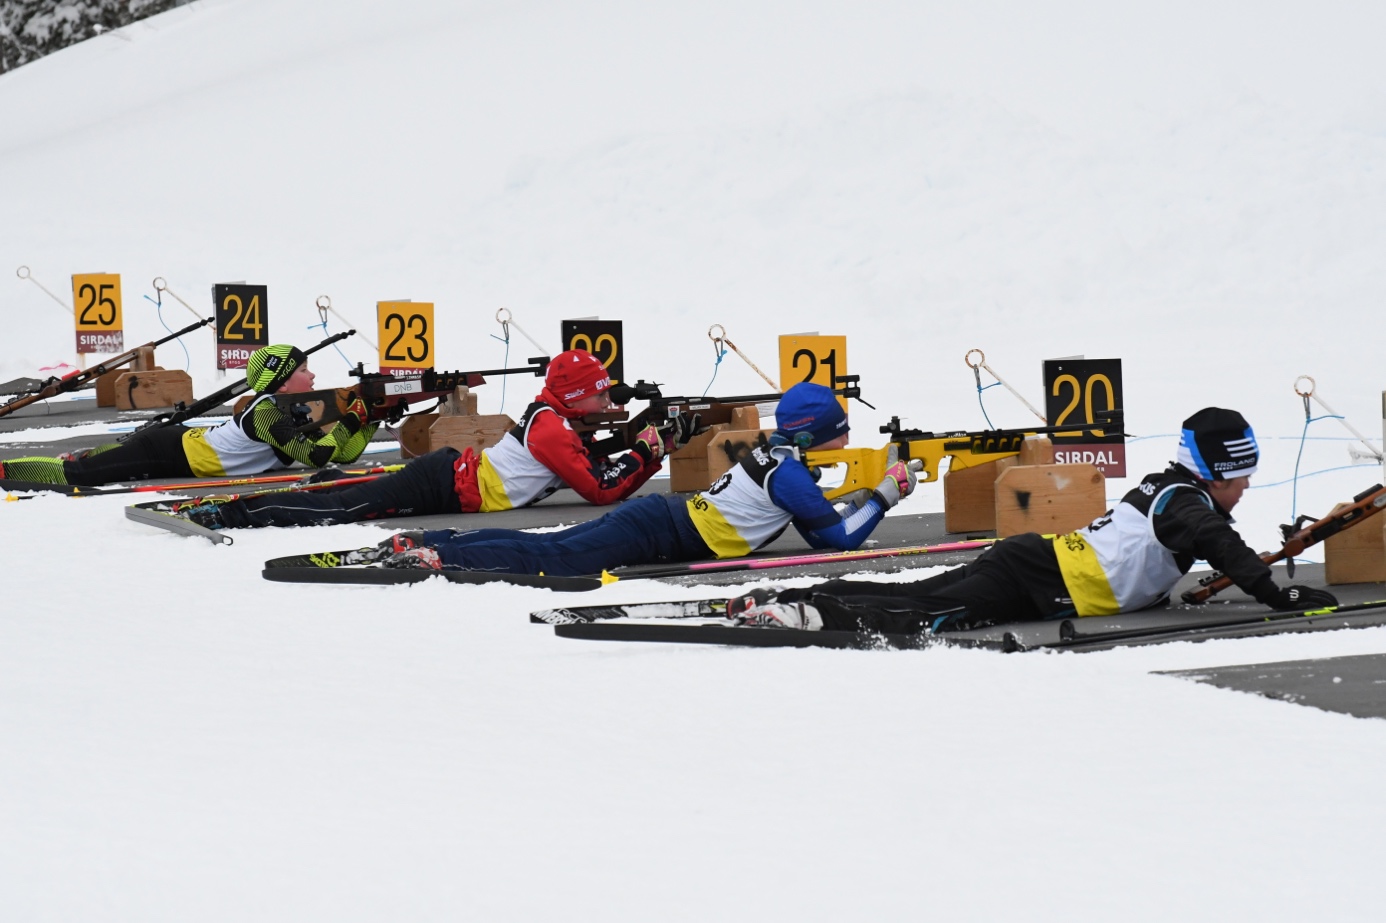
(1217, 444)
(809, 415)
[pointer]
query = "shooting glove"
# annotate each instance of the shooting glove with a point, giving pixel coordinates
(355, 416)
(684, 427)
(649, 445)
(1303, 597)
(899, 481)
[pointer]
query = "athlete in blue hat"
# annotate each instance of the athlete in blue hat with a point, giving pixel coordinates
(746, 509)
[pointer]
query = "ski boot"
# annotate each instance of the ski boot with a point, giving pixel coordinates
(799, 616)
(420, 558)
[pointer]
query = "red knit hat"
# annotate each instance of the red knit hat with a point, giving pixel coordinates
(574, 375)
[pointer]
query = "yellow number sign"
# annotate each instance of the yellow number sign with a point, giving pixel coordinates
(406, 336)
(812, 358)
(96, 308)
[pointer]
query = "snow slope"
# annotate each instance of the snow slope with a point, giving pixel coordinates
(1195, 188)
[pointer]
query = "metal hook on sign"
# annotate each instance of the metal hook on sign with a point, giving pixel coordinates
(981, 359)
(160, 284)
(1312, 386)
(22, 272)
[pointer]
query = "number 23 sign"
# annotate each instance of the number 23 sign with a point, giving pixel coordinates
(406, 336)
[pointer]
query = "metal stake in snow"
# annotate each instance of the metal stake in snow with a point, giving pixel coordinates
(980, 364)
(161, 286)
(507, 320)
(720, 339)
(23, 273)
(1311, 394)
(324, 304)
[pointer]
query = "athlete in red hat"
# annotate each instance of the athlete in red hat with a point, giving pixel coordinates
(540, 455)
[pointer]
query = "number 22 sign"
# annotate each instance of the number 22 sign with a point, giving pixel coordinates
(406, 337)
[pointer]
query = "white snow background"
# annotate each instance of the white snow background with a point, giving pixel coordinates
(1196, 188)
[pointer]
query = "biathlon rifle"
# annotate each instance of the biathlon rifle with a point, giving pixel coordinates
(54, 386)
(387, 397)
(662, 411)
(1299, 536)
(967, 449)
(182, 412)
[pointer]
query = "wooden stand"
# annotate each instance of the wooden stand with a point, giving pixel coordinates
(106, 384)
(969, 494)
(1356, 555)
(1048, 498)
(709, 456)
(155, 388)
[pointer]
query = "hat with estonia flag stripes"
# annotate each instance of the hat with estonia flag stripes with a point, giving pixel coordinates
(1217, 444)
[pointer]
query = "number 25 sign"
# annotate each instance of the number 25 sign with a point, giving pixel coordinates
(96, 304)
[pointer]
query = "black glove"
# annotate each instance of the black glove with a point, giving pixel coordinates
(683, 428)
(1303, 597)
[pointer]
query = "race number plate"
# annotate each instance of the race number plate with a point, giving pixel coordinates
(812, 358)
(96, 304)
(601, 338)
(1074, 390)
(242, 313)
(406, 337)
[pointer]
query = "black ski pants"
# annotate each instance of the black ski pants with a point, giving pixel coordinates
(152, 453)
(423, 488)
(1015, 580)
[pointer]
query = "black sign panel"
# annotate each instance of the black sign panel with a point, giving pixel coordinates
(242, 322)
(1075, 390)
(601, 338)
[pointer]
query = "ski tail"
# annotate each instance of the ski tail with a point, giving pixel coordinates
(687, 609)
(348, 558)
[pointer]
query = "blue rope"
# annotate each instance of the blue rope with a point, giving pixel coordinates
(323, 326)
(187, 359)
(505, 363)
(1294, 493)
(980, 389)
(716, 366)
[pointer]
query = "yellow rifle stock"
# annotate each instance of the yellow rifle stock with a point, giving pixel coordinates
(867, 467)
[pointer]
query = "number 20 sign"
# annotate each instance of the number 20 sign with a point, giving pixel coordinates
(1075, 390)
(406, 337)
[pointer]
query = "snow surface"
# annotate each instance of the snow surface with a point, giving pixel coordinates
(1195, 188)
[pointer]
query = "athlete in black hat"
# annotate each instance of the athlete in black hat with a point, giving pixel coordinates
(1127, 560)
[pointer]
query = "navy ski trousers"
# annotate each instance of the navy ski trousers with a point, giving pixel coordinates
(641, 531)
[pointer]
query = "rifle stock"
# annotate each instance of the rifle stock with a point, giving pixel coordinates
(184, 412)
(865, 468)
(1366, 504)
(55, 386)
(660, 412)
(388, 397)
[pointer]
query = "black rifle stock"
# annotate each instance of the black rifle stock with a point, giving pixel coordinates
(184, 412)
(56, 386)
